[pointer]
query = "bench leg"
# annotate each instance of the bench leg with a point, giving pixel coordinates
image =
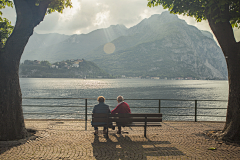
(145, 127)
(145, 131)
(107, 133)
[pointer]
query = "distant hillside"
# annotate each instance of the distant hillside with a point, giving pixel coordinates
(161, 46)
(73, 47)
(38, 41)
(64, 69)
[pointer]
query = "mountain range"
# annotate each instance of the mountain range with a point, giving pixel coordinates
(160, 46)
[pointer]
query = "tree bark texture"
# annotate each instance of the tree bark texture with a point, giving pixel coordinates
(231, 50)
(29, 15)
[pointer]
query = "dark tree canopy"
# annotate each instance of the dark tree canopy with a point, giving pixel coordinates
(200, 9)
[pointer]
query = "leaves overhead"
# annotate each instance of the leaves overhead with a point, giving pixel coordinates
(5, 31)
(4, 3)
(5, 25)
(56, 5)
(200, 9)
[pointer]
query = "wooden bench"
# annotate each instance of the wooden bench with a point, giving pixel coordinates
(128, 120)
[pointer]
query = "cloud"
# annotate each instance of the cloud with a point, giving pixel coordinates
(70, 12)
(10, 14)
(101, 18)
(191, 21)
(89, 15)
(94, 14)
(237, 33)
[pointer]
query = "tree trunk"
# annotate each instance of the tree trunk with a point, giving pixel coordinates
(232, 126)
(11, 115)
(231, 50)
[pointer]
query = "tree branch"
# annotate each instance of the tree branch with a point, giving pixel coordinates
(40, 11)
(222, 30)
(28, 16)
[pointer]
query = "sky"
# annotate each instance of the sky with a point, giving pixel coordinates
(89, 15)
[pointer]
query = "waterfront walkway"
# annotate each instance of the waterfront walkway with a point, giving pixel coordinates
(69, 140)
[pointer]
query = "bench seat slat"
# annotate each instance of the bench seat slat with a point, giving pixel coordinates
(135, 124)
(126, 120)
(136, 115)
(127, 115)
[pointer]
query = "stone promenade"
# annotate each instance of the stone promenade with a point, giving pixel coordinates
(67, 139)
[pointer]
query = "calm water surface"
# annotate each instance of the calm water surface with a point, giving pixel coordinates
(129, 89)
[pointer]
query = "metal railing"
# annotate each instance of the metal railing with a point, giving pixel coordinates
(159, 107)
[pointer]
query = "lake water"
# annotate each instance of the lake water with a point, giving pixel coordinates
(129, 89)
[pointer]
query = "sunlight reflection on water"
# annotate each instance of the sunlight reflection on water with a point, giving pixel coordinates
(129, 88)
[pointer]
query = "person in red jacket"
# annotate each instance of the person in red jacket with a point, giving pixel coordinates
(122, 107)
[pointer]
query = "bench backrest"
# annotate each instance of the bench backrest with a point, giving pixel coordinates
(127, 118)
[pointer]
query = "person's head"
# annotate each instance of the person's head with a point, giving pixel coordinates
(101, 99)
(120, 99)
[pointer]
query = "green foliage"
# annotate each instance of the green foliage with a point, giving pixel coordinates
(64, 69)
(27, 62)
(5, 31)
(4, 3)
(200, 9)
(56, 5)
(5, 25)
(45, 63)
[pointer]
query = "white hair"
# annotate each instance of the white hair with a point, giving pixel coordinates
(120, 98)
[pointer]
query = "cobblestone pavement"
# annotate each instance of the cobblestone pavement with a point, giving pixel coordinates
(69, 140)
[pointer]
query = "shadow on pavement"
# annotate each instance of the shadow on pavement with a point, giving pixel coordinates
(7, 145)
(123, 147)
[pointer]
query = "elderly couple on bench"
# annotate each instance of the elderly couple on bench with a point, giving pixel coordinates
(122, 107)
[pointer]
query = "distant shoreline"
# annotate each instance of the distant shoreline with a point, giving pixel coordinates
(129, 78)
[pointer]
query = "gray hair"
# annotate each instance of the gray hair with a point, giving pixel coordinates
(120, 98)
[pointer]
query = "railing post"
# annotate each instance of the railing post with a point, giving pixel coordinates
(159, 106)
(195, 110)
(85, 114)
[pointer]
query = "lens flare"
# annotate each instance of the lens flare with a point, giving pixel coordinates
(109, 48)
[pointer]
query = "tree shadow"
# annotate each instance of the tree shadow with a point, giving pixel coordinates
(125, 147)
(7, 145)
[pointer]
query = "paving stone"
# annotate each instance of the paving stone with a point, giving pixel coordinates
(69, 140)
